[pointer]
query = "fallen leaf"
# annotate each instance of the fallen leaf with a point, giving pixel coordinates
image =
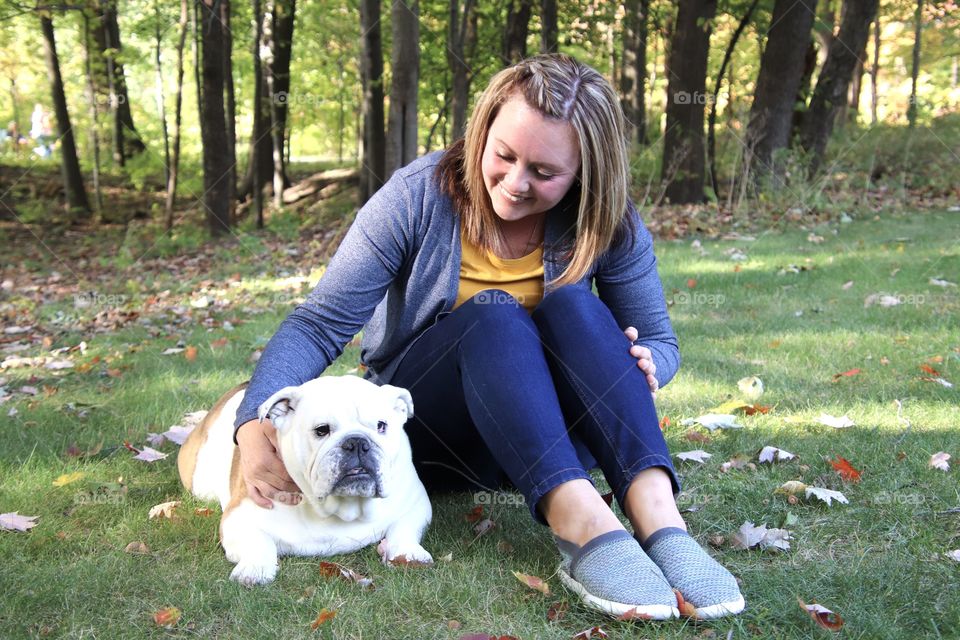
(773, 454)
(219, 343)
(535, 583)
(68, 478)
(163, 510)
(484, 526)
(738, 461)
(713, 421)
(826, 495)
(453, 625)
(940, 381)
(953, 555)
(791, 488)
(846, 374)
(557, 611)
(334, 570)
(845, 469)
(749, 536)
(937, 282)
(325, 615)
(190, 353)
(686, 609)
(822, 616)
(928, 369)
(940, 460)
(177, 433)
(697, 455)
(137, 547)
(150, 455)
(167, 617)
(696, 436)
(633, 614)
(475, 514)
(592, 632)
(882, 299)
(203, 512)
(842, 422)
(664, 422)
(753, 409)
(16, 522)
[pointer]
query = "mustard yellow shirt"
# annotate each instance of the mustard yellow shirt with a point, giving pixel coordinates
(520, 277)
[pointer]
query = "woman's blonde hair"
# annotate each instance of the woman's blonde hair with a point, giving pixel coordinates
(560, 88)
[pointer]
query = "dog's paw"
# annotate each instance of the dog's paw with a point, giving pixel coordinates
(403, 554)
(250, 574)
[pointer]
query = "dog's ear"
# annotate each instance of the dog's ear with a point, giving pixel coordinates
(279, 406)
(403, 401)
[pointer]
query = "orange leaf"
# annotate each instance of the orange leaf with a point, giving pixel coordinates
(664, 422)
(535, 583)
(203, 512)
(633, 615)
(687, 610)
(845, 374)
(167, 617)
(822, 616)
(757, 408)
(845, 469)
(928, 369)
(190, 353)
(324, 616)
(696, 436)
(219, 343)
(691, 283)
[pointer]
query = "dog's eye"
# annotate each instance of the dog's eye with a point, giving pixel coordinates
(322, 430)
(381, 427)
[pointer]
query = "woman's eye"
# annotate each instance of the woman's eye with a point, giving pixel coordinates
(322, 430)
(381, 427)
(504, 157)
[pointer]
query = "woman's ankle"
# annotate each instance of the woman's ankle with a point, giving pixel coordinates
(577, 513)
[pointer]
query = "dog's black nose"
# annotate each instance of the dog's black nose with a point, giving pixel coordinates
(356, 444)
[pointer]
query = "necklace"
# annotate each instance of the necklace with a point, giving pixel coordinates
(514, 253)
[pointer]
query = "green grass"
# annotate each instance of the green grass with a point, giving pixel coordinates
(878, 561)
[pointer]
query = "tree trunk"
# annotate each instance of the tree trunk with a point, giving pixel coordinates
(275, 37)
(178, 104)
(405, 62)
(834, 77)
(633, 71)
(915, 69)
(373, 156)
(515, 30)
(197, 62)
(683, 157)
(231, 104)
(458, 29)
(216, 162)
(712, 118)
(127, 142)
(94, 118)
(806, 88)
(875, 69)
(549, 30)
(73, 189)
(778, 83)
(254, 168)
(161, 106)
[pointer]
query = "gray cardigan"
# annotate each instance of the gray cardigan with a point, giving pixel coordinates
(397, 272)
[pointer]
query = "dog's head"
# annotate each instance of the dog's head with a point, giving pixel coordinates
(341, 436)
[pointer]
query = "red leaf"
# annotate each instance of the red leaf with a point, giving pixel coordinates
(845, 469)
(557, 611)
(592, 632)
(664, 422)
(475, 514)
(928, 369)
(822, 616)
(756, 408)
(535, 583)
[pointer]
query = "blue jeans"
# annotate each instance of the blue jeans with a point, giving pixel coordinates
(535, 398)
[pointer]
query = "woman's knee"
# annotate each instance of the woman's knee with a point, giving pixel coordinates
(496, 310)
(573, 307)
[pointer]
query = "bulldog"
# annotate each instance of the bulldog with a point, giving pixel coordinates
(342, 441)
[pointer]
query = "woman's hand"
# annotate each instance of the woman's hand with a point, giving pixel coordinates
(644, 359)
(262, 469)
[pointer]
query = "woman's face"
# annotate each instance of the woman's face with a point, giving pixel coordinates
(529, 161)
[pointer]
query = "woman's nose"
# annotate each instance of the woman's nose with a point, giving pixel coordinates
(516, 180)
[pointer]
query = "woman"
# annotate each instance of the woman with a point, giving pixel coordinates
(470, 272)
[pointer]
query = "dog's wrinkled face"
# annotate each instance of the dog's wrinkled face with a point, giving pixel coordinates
(340, 436)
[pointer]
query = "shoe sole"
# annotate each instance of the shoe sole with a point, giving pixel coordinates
(651, 612)
(721, 610)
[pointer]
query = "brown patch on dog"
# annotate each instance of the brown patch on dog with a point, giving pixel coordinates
(187, 458)
(238, 488)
